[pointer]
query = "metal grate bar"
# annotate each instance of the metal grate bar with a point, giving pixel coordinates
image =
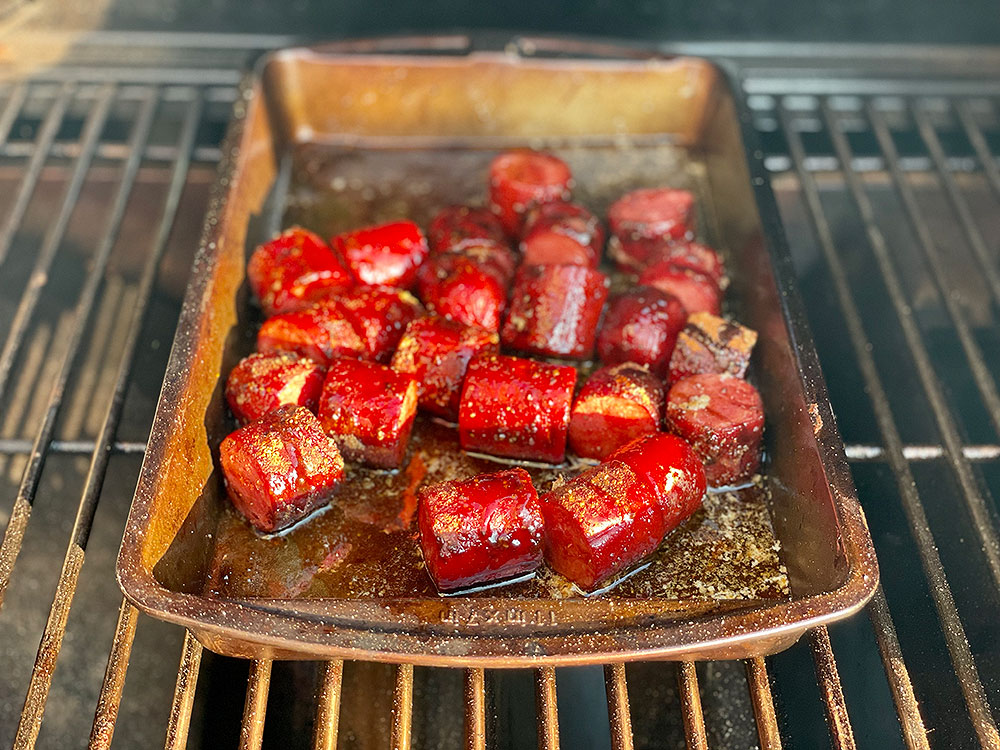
(255, 708)
(547, 708)
(402, 708)
(979, 145)
(944, 602)
(154, 152)
(618, 712)
(14, 533)
(187, 682)
(694, 719)
(833, 693)
(42, 147)
(908, 711)
(106, 715)
(961, 207)
(12, 446)
(15, 100)
(985, 383)
(859, 452)
(475, 709)
(763, 704)
(328, 706)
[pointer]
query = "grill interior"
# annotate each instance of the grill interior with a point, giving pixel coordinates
(889, 194)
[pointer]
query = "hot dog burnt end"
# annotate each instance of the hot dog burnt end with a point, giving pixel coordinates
(480, 530)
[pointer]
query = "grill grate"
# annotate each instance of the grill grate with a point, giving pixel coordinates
(889, 198)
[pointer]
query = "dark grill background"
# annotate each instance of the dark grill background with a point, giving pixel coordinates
(884, 163)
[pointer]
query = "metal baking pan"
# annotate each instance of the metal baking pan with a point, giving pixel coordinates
(334, 140)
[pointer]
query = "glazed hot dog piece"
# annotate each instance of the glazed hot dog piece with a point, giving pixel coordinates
(523, 179)
(380, 316)
(279, 468)
(323, 331)
(616, 405)
(384, 255)
(641, 325)
(653, 213)
(368, 409)
(609, 518)
(709, 343)
(262, 382)
(454, 228)
(480, 530)
(562, 233)
(555, 311)
(455, 286)
(723, 419)
(293, 269)
(696, 291)
(637, 255)
(517, 408)
(436, 351)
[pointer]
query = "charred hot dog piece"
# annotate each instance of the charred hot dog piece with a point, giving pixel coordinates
(562, 233)
(555, 310)
(723, 419)
(641, 326)
(380, 316)
(454, 228)
(262, 382)
(523, 179)
(480, 530)
(279, 468)
(653, 213)
(709, 343)
(609, 518)
(456, 287)
(616, 405)
(368, 409)
(516, 408)
(696, 291)
(323, 331)
(384, 255)
(637, 255)
(436, 351)
(294, 269)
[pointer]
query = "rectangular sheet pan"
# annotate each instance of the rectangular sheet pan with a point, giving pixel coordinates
(336, 140)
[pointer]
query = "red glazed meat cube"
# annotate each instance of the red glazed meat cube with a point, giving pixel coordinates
(380, 316)
(454, 286)
(709, 343)
(641, 326)
(368, 409)
(523, 179)
(723, 419)
(322, 332)
(262, 382)
(293, 269)
(674, 471)
(480, 530)
(562, 233)
(636, 255)
(494, 258)
(609, 518)
(436, 351)
(280, 467)
(385, 255)
(697, 292)
(516, 408)
(555, 310)
(651, 213)
(454, 228)
(616, 405)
